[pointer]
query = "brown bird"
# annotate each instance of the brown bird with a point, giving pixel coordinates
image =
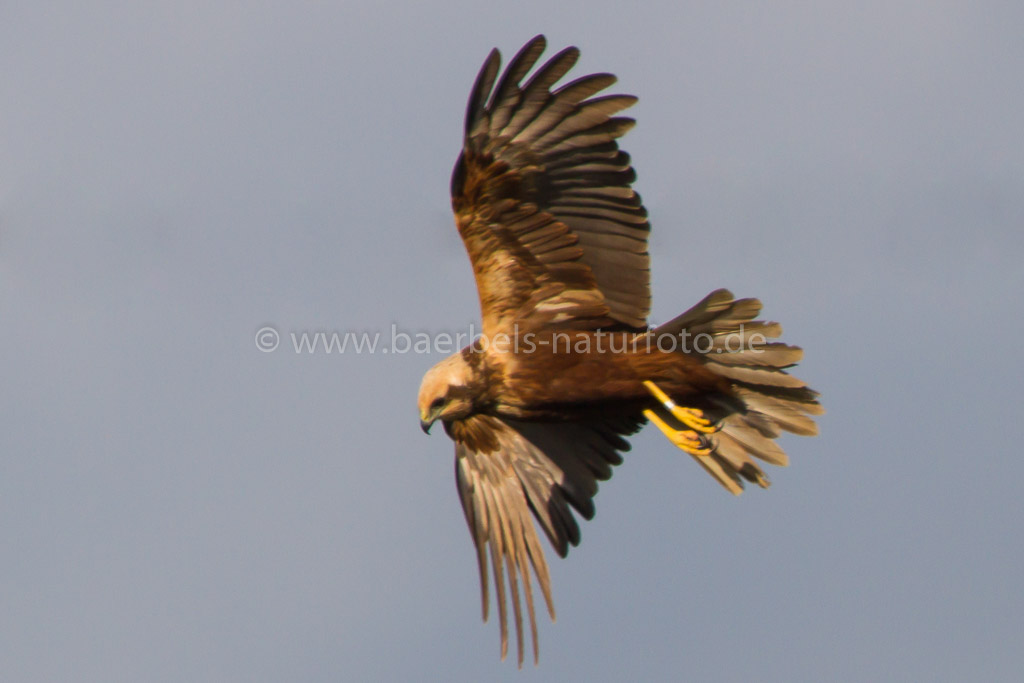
(566, 365)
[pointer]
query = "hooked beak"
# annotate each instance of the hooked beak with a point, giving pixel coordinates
(427, 420)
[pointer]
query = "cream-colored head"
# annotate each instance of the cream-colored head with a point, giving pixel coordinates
(446, 391)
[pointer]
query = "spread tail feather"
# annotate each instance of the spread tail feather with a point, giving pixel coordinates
(732, 344)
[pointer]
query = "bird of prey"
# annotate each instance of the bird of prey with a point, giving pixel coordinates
(566, 365)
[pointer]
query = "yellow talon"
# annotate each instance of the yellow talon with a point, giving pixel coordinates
(692, 443)
(691, 417)
(685, 439)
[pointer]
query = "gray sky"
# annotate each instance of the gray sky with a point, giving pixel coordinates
(177, 505)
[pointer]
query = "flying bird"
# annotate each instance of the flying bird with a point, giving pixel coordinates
(566, 365)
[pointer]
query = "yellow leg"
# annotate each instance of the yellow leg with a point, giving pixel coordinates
(691, 417)
(691, 442)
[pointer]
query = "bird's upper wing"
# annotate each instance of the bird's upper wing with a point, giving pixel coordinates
(543, 199)
(505, 469)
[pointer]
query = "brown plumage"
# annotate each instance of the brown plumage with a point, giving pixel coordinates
(567, 366)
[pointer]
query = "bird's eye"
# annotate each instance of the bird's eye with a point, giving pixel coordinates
(437, 403)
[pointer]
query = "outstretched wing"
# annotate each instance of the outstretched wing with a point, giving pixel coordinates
(543, 199)
(507, 469)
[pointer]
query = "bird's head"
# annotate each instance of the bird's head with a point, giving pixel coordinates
(445, 393)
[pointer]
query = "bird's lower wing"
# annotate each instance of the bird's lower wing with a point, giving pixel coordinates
(507, 469)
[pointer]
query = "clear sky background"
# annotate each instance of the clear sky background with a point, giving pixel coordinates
(176, 505)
